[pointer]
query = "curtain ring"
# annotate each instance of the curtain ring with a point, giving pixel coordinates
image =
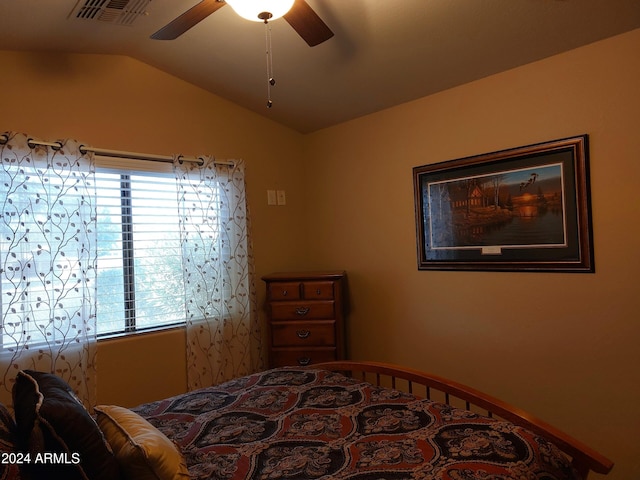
(179, 159)
(55, 145)
(201, 163)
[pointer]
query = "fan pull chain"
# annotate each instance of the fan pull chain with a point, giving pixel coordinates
(270, 80)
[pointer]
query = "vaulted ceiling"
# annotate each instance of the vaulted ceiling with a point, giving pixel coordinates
(383, 53)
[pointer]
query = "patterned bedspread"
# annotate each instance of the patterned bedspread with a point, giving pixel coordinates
(304, 424)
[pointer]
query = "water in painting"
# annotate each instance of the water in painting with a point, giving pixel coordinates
(507, 209)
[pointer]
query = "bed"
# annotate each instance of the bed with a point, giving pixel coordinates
(339, 420)
(362, 421)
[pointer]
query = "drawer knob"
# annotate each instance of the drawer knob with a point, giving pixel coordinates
(285, 293)
(303, 333)
(304, 361)
(302, 311)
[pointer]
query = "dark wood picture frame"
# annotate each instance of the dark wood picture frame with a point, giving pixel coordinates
(522, 209)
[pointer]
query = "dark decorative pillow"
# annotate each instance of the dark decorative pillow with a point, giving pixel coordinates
(9, 469)
(62, 439)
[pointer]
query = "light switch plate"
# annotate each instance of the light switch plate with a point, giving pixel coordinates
(281, 197)
(271, 197)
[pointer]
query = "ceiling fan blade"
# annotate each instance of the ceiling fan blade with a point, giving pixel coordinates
(308, 24)
(188, 19)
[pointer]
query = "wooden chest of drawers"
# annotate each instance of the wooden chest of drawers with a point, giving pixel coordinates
(305, 317)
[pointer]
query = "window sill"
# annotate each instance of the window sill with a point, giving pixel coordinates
(146, 331)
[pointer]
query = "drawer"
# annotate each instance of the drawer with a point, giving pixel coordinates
(284, 291)
(317, 290)
(319, 333)
(301, 356)
(302, 310)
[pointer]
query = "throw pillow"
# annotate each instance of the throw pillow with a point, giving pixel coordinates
(143, 451)
(53, 426)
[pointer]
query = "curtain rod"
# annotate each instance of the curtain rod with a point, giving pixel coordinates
(4, 138)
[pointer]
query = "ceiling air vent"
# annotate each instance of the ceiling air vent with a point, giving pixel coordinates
(121, 12)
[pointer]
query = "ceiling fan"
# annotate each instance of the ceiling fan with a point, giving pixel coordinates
(304, 20)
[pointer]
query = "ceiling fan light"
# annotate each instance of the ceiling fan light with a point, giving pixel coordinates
(254, 9)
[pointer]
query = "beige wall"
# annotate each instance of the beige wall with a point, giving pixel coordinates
(559, 345)
(564, 346)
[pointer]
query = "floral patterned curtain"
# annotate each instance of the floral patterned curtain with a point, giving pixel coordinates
(48, 259)
(223, 334)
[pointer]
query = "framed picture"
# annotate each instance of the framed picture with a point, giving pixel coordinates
(522, 209)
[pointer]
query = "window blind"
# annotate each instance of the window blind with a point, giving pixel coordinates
(139, 262)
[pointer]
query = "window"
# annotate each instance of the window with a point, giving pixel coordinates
(101, 246)
(139, 275)
(139, 261)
